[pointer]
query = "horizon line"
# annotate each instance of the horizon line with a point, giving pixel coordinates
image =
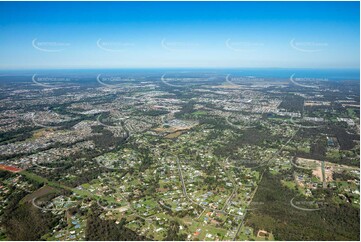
(155, 68)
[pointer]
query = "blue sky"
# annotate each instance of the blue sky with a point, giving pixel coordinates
(179, 34)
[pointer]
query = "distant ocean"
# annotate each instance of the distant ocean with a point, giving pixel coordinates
(329, 74)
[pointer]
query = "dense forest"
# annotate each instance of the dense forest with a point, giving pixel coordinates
(275, 214)
(292, 103)
(99, 229)
(22, 221)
